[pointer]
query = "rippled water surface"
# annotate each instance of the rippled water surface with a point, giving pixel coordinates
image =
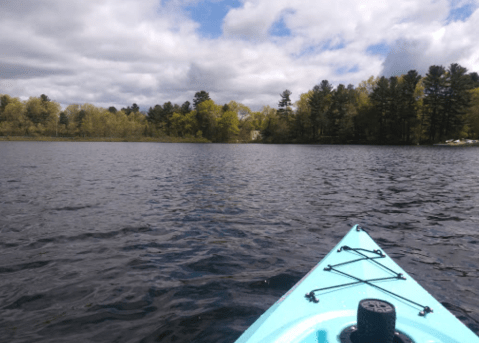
(145, 242)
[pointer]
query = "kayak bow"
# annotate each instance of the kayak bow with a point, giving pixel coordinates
(351, 292)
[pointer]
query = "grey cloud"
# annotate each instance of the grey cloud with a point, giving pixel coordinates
(252, 27)
(254, 32)
(13, 49)
(209, 79)
(46, 16)
(417, 54)
(405, 55)
(13, 7)
(23, 71)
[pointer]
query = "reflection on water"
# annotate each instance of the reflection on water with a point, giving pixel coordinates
(131, 242)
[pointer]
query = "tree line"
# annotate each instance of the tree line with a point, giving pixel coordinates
(406, 109)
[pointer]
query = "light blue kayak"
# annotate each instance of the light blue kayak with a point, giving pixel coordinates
(323, 306)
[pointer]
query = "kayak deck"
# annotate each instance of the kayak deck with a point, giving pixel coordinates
(338, 286)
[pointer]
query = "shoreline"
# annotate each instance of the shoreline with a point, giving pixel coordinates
(168, 139)
(101, 139)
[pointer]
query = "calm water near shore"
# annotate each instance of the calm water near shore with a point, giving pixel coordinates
(153, 242)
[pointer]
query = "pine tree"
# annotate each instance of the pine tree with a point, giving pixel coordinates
(380, 98)
(337, 110)
(408, 109)
(319, 103)
(434, 97)
(199, 98)
(475, 79)
(185, 108)
(135, 108)
(63, 119)
(456, 101)
(165, 116)
(154, 114)
(285, 103)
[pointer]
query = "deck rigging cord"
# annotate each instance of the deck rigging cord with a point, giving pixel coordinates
(379, 254)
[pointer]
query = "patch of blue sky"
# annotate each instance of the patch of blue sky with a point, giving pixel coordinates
(346, 70)
(279, 29)
(461, 13)
(328, 46)
(210, 15)
(378, 49)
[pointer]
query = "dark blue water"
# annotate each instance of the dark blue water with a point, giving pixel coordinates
(145, 242)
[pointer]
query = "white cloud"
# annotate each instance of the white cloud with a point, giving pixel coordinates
(253, 20)
(119, 52)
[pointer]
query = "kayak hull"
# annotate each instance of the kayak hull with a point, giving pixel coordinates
(297, 318)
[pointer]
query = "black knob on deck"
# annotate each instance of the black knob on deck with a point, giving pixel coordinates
(376, 324)
(376, 321)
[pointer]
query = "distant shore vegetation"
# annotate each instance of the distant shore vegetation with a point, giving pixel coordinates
(406, 109)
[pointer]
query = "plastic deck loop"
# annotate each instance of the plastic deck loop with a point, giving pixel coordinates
(379, 254)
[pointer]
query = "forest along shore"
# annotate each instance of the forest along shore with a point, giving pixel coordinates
(401, 110)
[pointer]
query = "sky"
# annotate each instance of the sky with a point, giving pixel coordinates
(148, 52)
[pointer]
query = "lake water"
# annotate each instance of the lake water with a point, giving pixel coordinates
(147, 242)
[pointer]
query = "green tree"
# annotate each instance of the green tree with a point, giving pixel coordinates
(177, 128)
(338, 110)
(135, 108)
(456, 101)
(43, 113)
(434, 97)
(472, 115)
(381, 101)
(186, 108)
(284, 105)
(16, 122)
(63, 122)
(366, 121)
(4, 101)
(203, 117)
(408, 112)
(44, 98)
(165, 116)
(302, 120)
(155, 114)
(80, 120)
(199, 98)
(71, 112)
(274, 128)
(475, 79)
(63, 119)
(190, 124)
(319, 102)
(246, 121)
(35, 111)
(227, 126)
(207, 114)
